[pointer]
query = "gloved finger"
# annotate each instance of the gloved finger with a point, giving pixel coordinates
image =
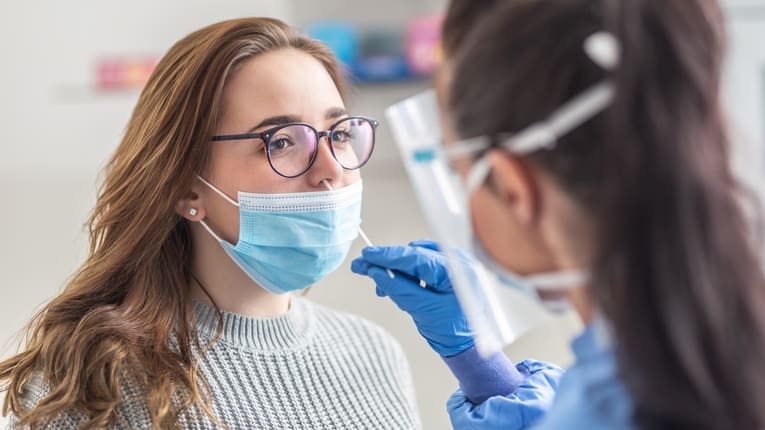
(425, 243)
(457, 401)
(544, 377)
(420, 263)
(462, 257)
(498, 412)
(360, 266)
(535, 366)
(403, 286)
(407, 293)
(404, 259)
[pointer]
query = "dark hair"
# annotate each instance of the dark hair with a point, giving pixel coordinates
(461, 17)
(675, 271)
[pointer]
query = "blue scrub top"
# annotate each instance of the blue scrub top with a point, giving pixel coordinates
(590, 395)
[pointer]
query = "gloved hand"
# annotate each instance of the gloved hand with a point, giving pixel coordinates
(519, 410)
(434, 308)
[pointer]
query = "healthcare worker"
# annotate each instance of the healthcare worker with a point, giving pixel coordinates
(629, 210)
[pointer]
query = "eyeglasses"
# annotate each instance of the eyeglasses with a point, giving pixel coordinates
(292, 148)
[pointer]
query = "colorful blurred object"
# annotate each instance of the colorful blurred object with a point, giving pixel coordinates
(341, 37)
(123, 72)
(382, 57)
(423, 44)
(384, 54)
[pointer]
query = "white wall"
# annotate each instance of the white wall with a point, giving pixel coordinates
(744, 89)
(55, 134)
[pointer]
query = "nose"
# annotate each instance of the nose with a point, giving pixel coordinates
(325, 167)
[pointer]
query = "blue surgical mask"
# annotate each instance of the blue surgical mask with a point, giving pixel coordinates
(288, 242)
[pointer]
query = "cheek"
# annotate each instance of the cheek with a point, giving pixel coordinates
(513, 245)
(242, 166)
(489, 226)
(351, 176)
(232, 170)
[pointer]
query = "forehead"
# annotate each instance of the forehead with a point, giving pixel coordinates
(286, 81)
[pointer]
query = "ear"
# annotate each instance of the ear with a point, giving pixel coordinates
(192, 205)
(513, 181)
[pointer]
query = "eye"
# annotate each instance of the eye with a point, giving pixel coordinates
(341, 136)
(280, 145)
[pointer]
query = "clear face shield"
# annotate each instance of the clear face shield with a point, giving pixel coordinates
(498, 305)
(497, 315)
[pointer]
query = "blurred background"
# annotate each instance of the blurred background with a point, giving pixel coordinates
(71, 72)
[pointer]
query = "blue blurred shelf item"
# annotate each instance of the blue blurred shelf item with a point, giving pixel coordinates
(383, 54)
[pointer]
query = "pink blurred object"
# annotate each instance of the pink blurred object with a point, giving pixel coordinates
(423, 44)
(124, 73)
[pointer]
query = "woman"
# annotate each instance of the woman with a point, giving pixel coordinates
(214, 208)
(639, 196)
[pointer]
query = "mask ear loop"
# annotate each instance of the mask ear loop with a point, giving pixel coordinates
(222, 194)
(558, 281)
(209, 230)
(219, 192)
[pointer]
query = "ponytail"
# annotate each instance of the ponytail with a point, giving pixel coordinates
(679, 278)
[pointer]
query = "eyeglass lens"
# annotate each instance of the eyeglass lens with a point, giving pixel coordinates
(292, 148)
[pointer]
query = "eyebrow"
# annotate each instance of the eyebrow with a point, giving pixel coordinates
(335, 113)
(332, 113)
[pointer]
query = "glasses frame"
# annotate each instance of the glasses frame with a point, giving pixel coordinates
(266, 136)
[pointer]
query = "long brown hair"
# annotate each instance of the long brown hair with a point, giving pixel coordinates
(676, 271)
(126, 314)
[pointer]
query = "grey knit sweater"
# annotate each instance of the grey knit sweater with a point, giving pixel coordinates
(313, 368)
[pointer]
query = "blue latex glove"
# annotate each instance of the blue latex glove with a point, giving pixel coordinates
(519, 410)
(434, 309)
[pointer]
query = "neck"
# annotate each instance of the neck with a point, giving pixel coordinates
(581, 304)
(230, 288)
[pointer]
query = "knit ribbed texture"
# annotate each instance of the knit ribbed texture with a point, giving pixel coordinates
(313, 368)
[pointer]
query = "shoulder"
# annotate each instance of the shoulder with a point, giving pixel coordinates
(34, 391)
(607, 405)
(131, 412)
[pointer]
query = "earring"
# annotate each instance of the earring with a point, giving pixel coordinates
(193, 212)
